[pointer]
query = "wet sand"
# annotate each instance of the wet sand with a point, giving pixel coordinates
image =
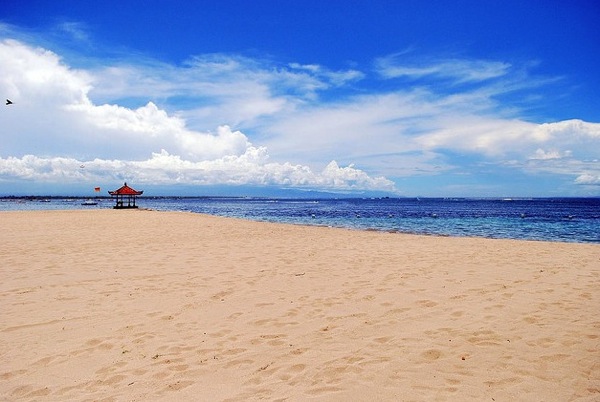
(144, 305)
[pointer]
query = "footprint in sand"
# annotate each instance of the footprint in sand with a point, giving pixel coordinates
(181, 367)
(239, 363)
(296, 368)
(485, 338)
(178, 385)
(11, 374)
(29, 391)
(427, 303)
(383, 339)
(431, 354)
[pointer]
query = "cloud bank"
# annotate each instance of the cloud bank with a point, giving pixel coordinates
(226, 119)
(74, 139)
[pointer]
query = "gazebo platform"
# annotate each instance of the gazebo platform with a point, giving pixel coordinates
(125, 197)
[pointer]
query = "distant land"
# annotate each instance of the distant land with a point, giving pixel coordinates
(87, 191)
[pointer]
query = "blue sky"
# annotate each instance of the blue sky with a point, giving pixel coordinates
(407, 98)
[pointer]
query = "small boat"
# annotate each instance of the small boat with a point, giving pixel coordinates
(89, 202)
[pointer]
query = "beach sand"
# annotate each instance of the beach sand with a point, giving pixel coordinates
(142, 305)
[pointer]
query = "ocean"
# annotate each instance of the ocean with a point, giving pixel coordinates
(550, 219)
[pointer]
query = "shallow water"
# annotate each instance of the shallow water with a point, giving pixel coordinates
(555, 219)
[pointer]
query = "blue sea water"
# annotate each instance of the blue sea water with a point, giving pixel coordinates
(553, 219)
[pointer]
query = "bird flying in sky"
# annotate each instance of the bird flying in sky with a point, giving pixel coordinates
(9, 102)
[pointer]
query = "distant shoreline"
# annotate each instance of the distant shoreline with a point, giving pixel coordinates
(572, 220)
(345, 197)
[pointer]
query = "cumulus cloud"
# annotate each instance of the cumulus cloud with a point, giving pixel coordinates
(250, 168)
(55, 117)
(151, 121)
(411, 132)
(502, 136)
(147, 128)
(36, 74)
(588, 179)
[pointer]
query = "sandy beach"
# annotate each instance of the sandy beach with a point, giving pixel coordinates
(142, 305)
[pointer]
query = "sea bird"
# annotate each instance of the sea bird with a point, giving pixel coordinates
(9, 102)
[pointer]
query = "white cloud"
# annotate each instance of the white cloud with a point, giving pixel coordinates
(356, 127)
(588, 179)
(540, 154)
(148, 128)
(223, 88)
(34, 75)
(568, 130)
(335, 78)
(54, 116)
(499, 137)
(150, 120)
(75, 30)
(458, 70)
(250, 168)
(407, 133)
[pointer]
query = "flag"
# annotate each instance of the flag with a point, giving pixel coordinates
(97, 189)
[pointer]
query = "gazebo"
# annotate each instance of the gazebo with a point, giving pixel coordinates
(123, 193)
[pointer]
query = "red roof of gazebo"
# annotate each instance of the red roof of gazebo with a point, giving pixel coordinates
(125, 190)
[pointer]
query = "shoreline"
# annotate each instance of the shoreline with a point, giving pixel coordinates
(360, 229)
(152, 305)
